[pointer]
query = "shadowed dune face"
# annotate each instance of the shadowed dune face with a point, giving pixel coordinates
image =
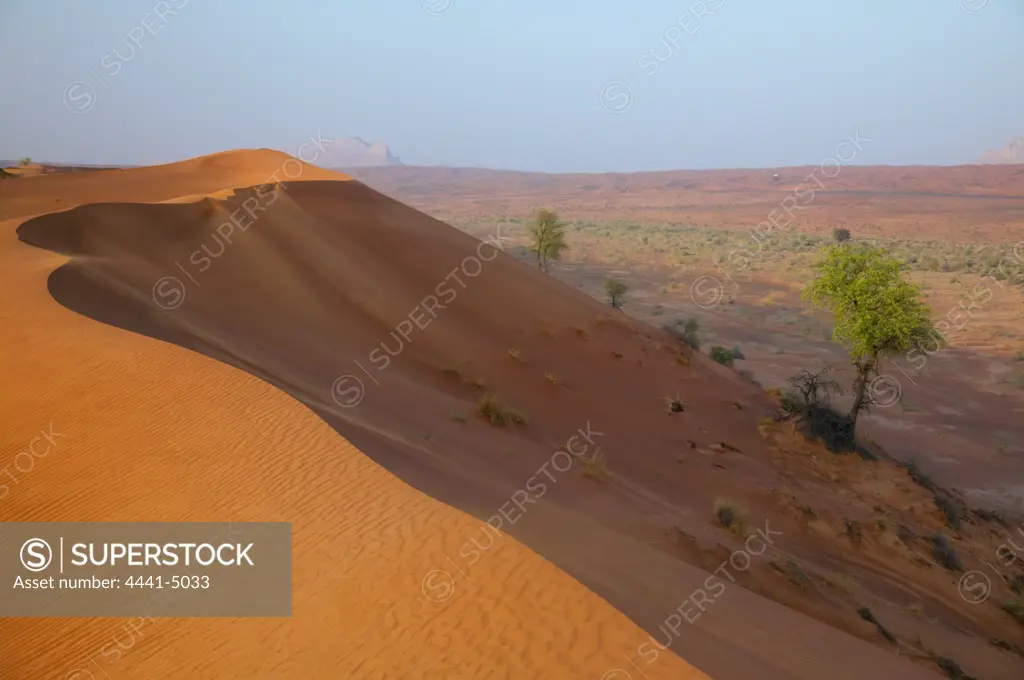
(390, 326)
(332, 279)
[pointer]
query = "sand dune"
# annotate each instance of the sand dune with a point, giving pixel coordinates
(365, 333)
(157, 432)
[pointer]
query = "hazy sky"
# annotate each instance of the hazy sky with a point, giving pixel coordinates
(515, 83)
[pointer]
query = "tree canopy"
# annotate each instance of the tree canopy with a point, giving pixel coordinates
(878, 312)
(547, 237)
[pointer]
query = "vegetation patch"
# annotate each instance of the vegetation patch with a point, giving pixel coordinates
(491, 408)
(730, 516)
(945, 554)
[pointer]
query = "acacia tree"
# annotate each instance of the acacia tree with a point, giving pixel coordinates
(547, 234)
(878, 313)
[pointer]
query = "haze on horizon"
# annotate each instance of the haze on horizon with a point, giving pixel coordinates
(574, 86)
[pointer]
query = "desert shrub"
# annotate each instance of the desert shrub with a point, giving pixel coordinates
(950, 509)
(791, 402)
(721, 355)
(491, 408)
(674, 405)
(594, 465)
(841, 234)
(616, 292)
(945, 554)
(729, 516)
(1015, 608)
(810, 402)
(686, 331)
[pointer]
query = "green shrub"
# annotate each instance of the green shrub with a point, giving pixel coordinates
(686, 331)
(721, 355)
(616, 292)
(1015, 608)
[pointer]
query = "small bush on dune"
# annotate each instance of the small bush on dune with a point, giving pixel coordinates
(616, 292)
(729, 516)
(950, 509)
(810, 403)
(686, 331)
(594, 465)
(945, 554)
(721, 355)
(1015, 608)
(491, 408)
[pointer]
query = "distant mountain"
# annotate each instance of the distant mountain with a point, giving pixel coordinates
(353, 152)
(1012, 153)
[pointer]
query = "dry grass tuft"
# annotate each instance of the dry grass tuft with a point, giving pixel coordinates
(491, 408)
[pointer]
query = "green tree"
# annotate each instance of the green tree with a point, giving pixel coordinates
(547, 234)
(26, 161)
(878, 313)
(616, 292)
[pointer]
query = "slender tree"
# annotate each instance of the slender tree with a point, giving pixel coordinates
(878, 313)
(547, 234)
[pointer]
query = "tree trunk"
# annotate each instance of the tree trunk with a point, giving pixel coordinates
(860, 387)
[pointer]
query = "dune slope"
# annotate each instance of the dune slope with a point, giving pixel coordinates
(147, 430)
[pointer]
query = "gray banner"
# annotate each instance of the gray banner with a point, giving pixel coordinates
(149, 569)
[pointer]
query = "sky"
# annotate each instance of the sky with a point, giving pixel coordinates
(541, 85)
